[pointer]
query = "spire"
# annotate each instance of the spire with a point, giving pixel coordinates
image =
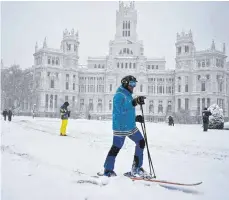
(45, 43)
(2, 64)
(190, 33)
(72, 32)
(36, 47)
(224, 48)
(213, 45)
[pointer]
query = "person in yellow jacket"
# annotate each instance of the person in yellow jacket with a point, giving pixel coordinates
(65, 114)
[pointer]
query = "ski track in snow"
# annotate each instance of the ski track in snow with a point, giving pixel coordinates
(39, 164)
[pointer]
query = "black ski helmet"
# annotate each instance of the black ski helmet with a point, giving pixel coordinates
(125, 80)
(66, 103)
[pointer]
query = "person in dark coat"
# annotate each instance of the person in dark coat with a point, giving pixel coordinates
(5, 113)
(205, 117)
(171, 121)
(65, 114)
(10, 115)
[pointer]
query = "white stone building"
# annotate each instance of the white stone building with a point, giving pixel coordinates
(200, 78)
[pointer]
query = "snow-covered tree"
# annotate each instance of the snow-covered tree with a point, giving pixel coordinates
(216, 120)
(16, 87)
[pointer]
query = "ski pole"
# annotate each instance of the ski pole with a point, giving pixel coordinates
(146, 141)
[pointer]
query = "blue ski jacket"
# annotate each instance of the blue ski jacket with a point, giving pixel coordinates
(64, 113)
(123, 118)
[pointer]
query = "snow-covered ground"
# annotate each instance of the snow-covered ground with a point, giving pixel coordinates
(38, 164)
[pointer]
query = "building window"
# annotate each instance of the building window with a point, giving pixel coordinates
(95, 66)
(55, 104)
(99, 105)
(52, 83)
(160, 107)
(203, 103)
(49, 60)
(208, 102)
(179, 50)
(156, 66)
(134, 65)
(203, 86)
(186, 87)
(74, 86)
(117, 65)
(66, 98)
(179, 88)
(67, 85)
(69, 46)
(110, 87)
(220, 86)
(67, 77)
(126, 65)
(81, 104)
(169, 108)
(90, 107)
(51, 101)
(122, 65)
(179, 104)
(53, 61)
(198, 106)
(151, 108)
(57, 61)
(186, 49)
(110, 105)
(130, 65)
(148, 66)
(46, 101)
(186, 104)
(141, 88)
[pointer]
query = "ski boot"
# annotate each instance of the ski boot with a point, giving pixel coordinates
(140, 172)
(109, 173)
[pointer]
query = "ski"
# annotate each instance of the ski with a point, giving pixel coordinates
(163, 181)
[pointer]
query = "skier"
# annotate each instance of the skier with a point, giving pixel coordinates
(124, 124)
(10, 115)
(65, 114)
(171, 121)
(5, 113)
(205, 115)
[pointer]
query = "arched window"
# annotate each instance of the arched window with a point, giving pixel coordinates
(99, 105)
(128, 25)
(49, 60)
(130, 65)
(99, 66)
(117, 65)
(57, 61)
(141, 88)
(95, 66)
(160, 107)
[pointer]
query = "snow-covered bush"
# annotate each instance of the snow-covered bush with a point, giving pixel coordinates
(216, 120)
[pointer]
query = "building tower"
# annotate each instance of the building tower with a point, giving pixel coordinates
(126, 22)
(185, 50)
(69, 46)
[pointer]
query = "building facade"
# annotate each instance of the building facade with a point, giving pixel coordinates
(200, 78)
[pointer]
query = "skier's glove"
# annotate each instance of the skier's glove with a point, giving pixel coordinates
(138, 100)
(139, 118)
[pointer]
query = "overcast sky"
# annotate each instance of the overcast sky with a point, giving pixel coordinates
(24, 23)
